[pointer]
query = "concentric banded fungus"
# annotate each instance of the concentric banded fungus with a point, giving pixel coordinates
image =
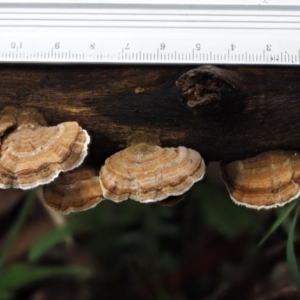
(148, 173)
(76, 190)
(267, 180)
(34, 154)
(8, 119)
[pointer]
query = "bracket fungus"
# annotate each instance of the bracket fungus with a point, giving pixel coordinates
(268, 180)
(8, 119)
(72, 191)
(146, 172)
(34, 154)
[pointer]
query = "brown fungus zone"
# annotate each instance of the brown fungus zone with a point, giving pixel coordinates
(8, 119)
(73, 191)
(33, 154)
(148, 173)
(268, 180)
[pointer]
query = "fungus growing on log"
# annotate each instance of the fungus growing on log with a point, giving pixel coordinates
(146, 172)
(73, 191)
(268, 180)
(8, 119)
(34, 154)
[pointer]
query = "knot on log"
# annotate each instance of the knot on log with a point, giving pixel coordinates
(210, 89)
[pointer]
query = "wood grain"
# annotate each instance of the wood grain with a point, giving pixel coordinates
(259, 110)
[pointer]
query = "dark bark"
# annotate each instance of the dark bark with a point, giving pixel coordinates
(223, 112)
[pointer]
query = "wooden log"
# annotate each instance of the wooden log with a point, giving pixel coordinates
(223, 112)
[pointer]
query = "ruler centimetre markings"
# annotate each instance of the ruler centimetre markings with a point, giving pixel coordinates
(147, 32)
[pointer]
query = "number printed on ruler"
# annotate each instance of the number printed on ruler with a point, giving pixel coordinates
(151, 32)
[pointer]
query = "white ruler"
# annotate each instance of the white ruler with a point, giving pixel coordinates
(160, 32)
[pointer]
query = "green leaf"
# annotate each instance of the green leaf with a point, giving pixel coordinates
(20, 275)
(284, 213)
(290, 253)
(219, 211)
(6, 295)
(51, 239)
(13, 234)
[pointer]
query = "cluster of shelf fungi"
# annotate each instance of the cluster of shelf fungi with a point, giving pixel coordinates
(33, 154)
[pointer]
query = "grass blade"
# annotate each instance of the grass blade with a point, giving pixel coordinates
(20, 275)
(17, 226)
(281, 218)
(290, 253)
(56, 236)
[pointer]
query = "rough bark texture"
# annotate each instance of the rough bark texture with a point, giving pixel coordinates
(223, 112)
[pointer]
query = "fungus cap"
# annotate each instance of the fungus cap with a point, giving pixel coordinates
(73, 191)
(8, 119)
(33, 155)
(265, 181)
(149, 173)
